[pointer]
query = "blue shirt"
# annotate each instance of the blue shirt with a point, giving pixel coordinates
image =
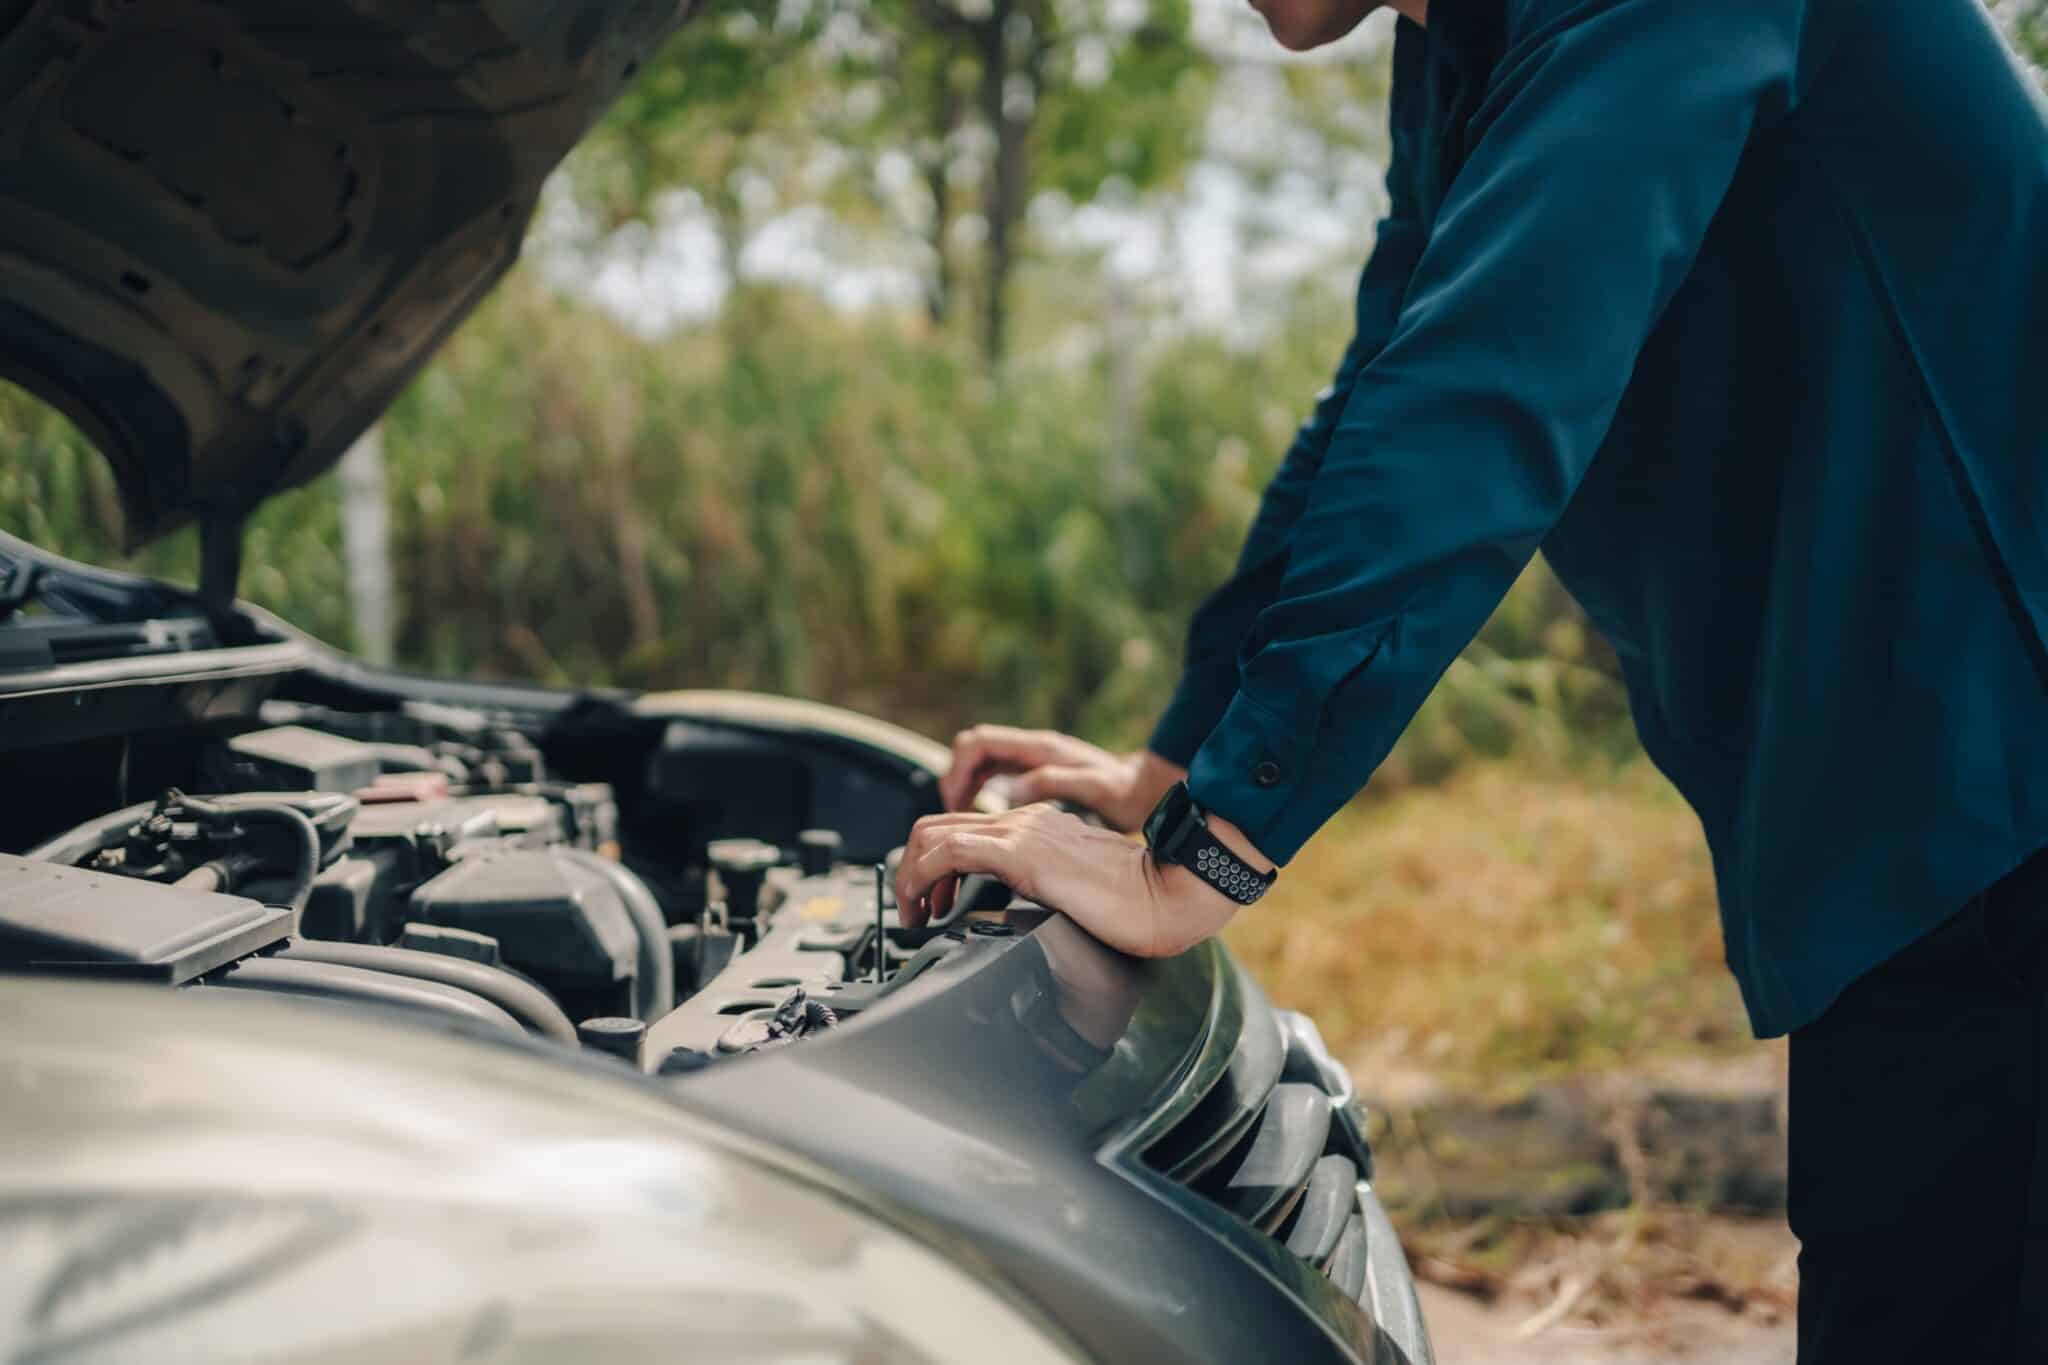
(1738, 309)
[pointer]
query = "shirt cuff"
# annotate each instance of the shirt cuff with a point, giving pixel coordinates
(1248, 771)
(1198, 703)
(1311, 721)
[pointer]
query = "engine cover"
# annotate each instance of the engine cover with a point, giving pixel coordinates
(556, 918)
(52, 916)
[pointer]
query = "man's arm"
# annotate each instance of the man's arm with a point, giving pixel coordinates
(1122, 788)
(1209, 677)
(1599, 158)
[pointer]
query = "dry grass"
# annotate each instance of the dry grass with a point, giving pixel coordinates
(1504, 926)
(1628, 1267)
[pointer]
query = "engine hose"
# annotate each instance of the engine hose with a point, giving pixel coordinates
(517, 996)
(657, 974)
(331, 981)
(81, 842)
(308, 862)
(220, 874)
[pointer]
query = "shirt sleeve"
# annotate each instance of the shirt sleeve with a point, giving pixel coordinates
(1210, 675)
(1599, 155)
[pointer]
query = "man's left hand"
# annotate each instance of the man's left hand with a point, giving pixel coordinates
(1107, 884)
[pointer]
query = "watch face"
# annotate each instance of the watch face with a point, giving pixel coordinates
(1165, 820)
(1156, 822)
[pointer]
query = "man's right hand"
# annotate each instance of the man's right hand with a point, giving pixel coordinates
(1049, 766)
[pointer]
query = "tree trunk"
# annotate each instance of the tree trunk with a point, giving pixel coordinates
(1009, 178)
(945, 119)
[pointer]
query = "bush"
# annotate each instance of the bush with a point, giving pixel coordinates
(830, 507)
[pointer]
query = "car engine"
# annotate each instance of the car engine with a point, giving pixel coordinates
(425, 858)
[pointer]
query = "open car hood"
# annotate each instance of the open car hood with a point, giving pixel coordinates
(231, 230)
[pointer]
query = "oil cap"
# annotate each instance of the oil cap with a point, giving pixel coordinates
(817, 850)
(742, 865)
(619, 1036)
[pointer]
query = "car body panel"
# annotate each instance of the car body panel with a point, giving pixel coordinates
(969, 1103)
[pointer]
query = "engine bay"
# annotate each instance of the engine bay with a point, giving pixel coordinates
(460, 865)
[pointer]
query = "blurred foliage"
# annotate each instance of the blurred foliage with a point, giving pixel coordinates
(57, 492)
(932, 120)
(721, 90)
(2027, 23)
(828, 507)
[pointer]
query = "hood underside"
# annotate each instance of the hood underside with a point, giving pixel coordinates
(231, 231)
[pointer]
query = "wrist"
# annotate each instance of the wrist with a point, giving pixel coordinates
(1179, 832)
(1191, 909)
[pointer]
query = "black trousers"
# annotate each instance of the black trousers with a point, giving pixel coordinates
(1919, 1147)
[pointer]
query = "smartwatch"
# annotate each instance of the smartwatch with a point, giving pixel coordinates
(1177, 831)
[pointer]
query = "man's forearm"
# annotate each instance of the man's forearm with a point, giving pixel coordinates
(1222, 624)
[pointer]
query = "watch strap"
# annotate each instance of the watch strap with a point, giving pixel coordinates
(1179, 833)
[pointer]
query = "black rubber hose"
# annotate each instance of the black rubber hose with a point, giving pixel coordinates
(308, 862)
(330, 981)
(657, 974)
(520, 998)
(220, 874)
(80, 842)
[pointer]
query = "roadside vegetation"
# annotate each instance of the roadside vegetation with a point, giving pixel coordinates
(1508, 926)
(835, 508)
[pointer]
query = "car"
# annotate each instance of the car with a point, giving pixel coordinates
(351, 1014)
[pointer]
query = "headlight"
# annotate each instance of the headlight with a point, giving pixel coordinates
(226, 1180)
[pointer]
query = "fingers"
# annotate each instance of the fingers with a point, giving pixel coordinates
(983, 751)
(952, 852)
(943, 847)
(1088, 787)
(909, 902)
(938, 902)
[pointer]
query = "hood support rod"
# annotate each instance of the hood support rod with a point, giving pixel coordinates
(220, 569)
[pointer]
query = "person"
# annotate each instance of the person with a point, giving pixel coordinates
(1737, 309)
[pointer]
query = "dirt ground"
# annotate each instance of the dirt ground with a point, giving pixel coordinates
(1467, 1331)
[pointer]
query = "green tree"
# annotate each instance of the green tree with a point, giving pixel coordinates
(724, 95)
(991, 101)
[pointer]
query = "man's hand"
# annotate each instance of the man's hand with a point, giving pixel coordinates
(1105, 883)
(1121, 788)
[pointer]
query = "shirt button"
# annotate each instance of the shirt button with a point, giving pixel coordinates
(1267, 774)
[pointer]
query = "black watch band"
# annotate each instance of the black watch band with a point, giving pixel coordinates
(1177, 831)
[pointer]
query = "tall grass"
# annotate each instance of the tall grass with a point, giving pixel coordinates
(839, 508)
